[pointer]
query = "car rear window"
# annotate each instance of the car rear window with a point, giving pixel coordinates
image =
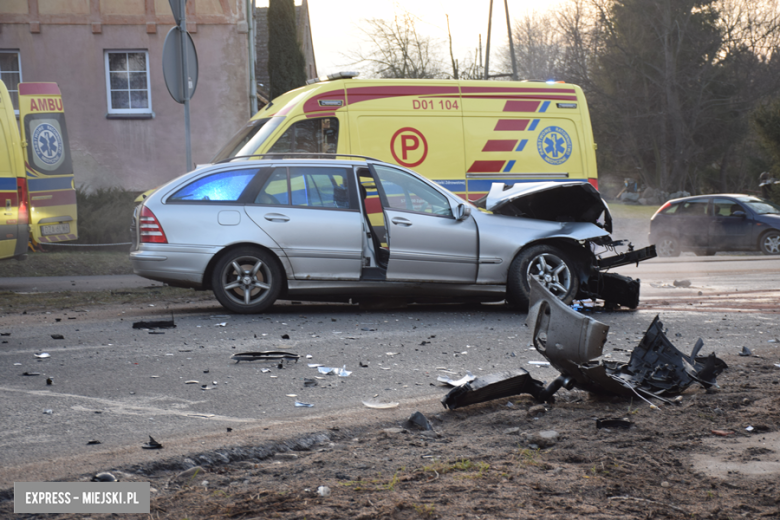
(315, 187)
(224, 186)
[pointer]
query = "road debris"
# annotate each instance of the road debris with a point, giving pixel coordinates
(613, 424)
(572, 343)
(266, 355)
(341, 372)
(104, 477)
(309, 382)
(682, 283)
(468, 378)
(745, 352)
(93, 442)
(380, 406)
(155, 324)
(493, 386)
(31, 374)
(323, 491)
(417, 421)
(42, 355)
(192, 382)
(152, 444)
(49, 381)
(57, 336)
(300, 404)
(48, 411)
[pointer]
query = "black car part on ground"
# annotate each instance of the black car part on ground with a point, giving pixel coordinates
(572, 342)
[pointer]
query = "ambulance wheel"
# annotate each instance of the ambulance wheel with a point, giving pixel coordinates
(548, 264)
(247, 280)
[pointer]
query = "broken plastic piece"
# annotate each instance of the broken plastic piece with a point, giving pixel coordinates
(493, 386)
(323, 491)
(93, 442)
(43, 355)
(266, 355)
(31, 374)
(468, 378)
(48, 411)
(104, 477)
(615, 424)
(158, 324)
(48, 381)
(341, 372)
(417, 421)
(57, 336)
(380, 406)
(303, 405)
(309, 382)
(152, 444)
(745, 352)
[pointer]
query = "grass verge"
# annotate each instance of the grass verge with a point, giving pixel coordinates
(13, 302)
(76, 263)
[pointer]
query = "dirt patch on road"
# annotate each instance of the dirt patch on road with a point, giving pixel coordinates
(488, 461)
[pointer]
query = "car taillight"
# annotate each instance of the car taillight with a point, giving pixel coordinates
(150, 229)
(21, 190)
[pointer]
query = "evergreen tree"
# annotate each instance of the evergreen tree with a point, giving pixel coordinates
(286, 66)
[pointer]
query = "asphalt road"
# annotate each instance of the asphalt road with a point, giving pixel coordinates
(118, 385)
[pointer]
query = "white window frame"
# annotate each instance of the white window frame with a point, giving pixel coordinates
(19, 62)
(127, 111)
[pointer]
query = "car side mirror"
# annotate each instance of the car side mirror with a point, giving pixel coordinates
(740, 214)
(462, 212)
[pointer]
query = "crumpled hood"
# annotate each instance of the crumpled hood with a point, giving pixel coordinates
(555, 201)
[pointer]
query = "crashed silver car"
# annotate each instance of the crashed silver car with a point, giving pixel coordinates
(347, 228)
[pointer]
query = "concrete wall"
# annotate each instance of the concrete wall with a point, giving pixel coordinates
(134, 153)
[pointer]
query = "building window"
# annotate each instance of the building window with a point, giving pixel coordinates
(11, 74)
(127, 82)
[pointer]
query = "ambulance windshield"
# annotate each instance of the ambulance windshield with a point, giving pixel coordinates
(249, 139)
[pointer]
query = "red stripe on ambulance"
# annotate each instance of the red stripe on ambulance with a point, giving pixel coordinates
(511, 125)
(500, 145)
(486, 167)
(521, 106)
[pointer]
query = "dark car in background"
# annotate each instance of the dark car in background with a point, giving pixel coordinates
(707, 224)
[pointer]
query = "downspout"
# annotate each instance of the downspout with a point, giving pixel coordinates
(250, 15)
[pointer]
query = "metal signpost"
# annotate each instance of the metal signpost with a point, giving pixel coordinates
(180, 67)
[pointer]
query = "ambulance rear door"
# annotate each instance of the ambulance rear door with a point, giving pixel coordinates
(52, 193)
(519, 132)
(13, 223)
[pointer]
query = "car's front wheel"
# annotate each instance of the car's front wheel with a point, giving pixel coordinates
(668, 246)
(549, 265)
(770, 243)
(247, 280)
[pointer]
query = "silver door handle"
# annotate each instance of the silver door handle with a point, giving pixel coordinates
(401, 221)
(276, 217)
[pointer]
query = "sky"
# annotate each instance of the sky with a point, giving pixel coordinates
(335, 24)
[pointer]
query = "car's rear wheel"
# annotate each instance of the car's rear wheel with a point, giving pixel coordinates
(668, 246)
(247, 280)
(549, 265)
(770, 243)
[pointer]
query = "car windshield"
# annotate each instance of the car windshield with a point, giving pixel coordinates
(249, 139)
(762, 207)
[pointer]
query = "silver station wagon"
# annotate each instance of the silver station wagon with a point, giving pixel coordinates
(347, 228)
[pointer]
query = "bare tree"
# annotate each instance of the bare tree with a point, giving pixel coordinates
(397, 50)
(539, 47)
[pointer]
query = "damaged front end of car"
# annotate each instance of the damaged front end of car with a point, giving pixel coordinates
(576, 202)
(573, 342)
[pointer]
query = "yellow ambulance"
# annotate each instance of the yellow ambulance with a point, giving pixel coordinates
(37, 190)
(465, 135)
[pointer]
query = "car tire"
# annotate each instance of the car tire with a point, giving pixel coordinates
(247, 280)
(668, 246)
(770, 242)
(549, 265)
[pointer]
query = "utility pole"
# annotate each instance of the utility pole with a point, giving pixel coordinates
(487, 44)
(511, 45)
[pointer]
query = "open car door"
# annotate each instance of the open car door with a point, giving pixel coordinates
(51, 189)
